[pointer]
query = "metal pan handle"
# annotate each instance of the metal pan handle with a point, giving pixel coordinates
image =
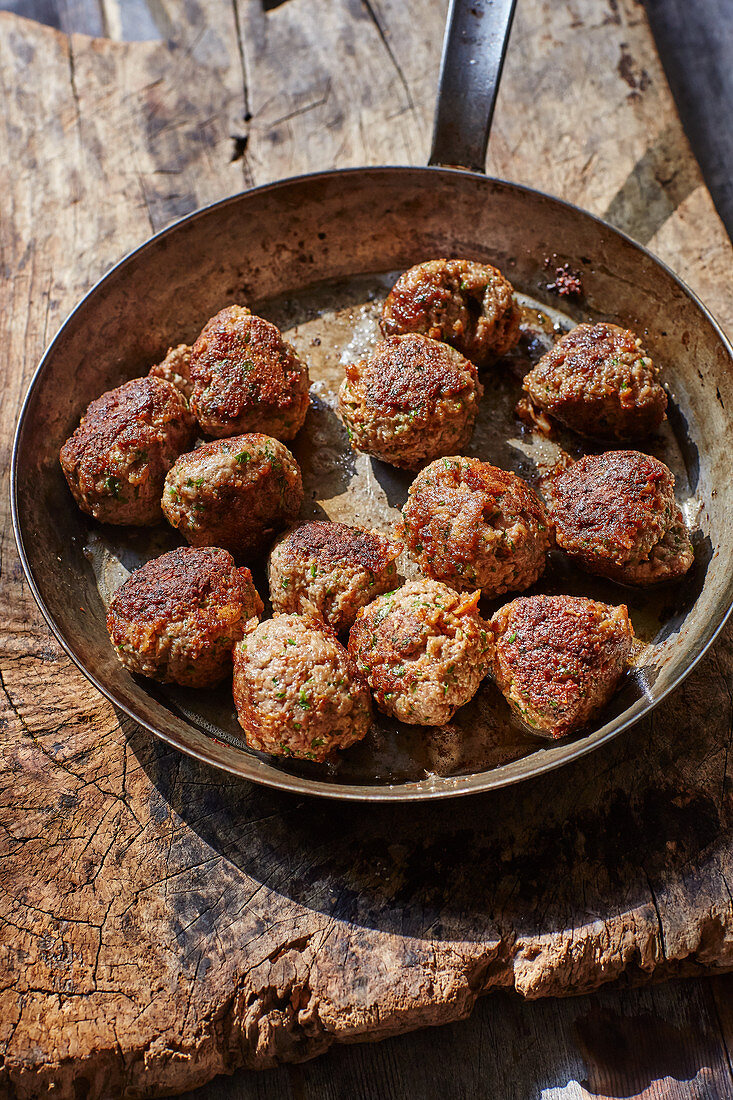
(474, 47)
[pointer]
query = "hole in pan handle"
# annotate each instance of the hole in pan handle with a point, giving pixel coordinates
(474, 47)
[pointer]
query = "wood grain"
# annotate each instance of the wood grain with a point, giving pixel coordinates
(162, 923)
(659, 1043)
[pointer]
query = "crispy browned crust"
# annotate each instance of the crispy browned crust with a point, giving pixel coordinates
(411, 372)
(145, 421)
(341, 544)
(600, 382)
(612, 510)
(184, 581)
(559, 659)
(411, 400)
(463, 303)
(196, 598)
(245, 375)
(487, 496)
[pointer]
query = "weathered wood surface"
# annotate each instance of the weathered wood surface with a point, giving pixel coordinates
(662, 1042)
(163, 923)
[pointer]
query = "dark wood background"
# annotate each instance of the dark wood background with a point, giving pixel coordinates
(673, 1040)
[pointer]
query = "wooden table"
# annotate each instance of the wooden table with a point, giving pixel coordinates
(162, 924)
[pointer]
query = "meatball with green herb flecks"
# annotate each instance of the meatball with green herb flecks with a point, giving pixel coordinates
(559, 659)
(117, 459)
(331, 568)
(599, 381)
(246, 378)
(237, 493)
(412, 400)
(424, 650)
(616, 516)
(463, 303)
(297, 691)
(472, 525)
(177, 618)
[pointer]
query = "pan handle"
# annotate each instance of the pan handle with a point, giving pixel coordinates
(474, 47)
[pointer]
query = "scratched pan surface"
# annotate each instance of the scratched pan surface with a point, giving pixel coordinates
(317, 255)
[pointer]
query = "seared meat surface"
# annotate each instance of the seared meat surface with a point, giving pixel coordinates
(559, 659)
(599, 381)
(463, 303)
(472, 525)
(178, 616)
(412, 400)
(615, 515)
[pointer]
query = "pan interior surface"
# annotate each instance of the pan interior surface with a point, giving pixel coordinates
(317, 257)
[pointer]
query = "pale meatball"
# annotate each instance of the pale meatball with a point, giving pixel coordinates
(177, 618)
(176, 369)
(599, 381)
(331, 568)
(615, 515)
(297, 691)
(246, 378)
(472, 525)
(412, 400)
(117, 459)
(237, 493)
(424, 650)
(463, 303)
(559, 659)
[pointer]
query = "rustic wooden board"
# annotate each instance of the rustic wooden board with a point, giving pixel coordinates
(662, 1042)
(163, 923)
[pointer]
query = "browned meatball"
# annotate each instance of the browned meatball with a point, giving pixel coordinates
(412, 400)
(236, 493)
(117, 459)
(466, 304)
(246, 378)
(471, 525)
(179, 616)
(599, 381)
(559, 659)
(333, 568)
(424, 650)
(615, 515)
(175, 368)
(297, 691)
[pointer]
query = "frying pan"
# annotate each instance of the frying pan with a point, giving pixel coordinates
(313, 253)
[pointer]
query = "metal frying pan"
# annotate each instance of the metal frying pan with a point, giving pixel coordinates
(314, 254)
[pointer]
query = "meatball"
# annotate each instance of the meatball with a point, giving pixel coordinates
(117, 459)
(178, 617)
(297, 691)
(472, 525)
(466, 304)
(236, 493)
(599, 381)
(332, 568)
(559, 659)
(175, 368)
(245, 377)
(615, 515)
(424, 650)
(412, 400)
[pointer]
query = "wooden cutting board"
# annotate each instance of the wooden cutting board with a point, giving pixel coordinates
(163, 923)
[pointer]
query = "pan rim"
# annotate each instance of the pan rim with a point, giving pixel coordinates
(421, 790)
